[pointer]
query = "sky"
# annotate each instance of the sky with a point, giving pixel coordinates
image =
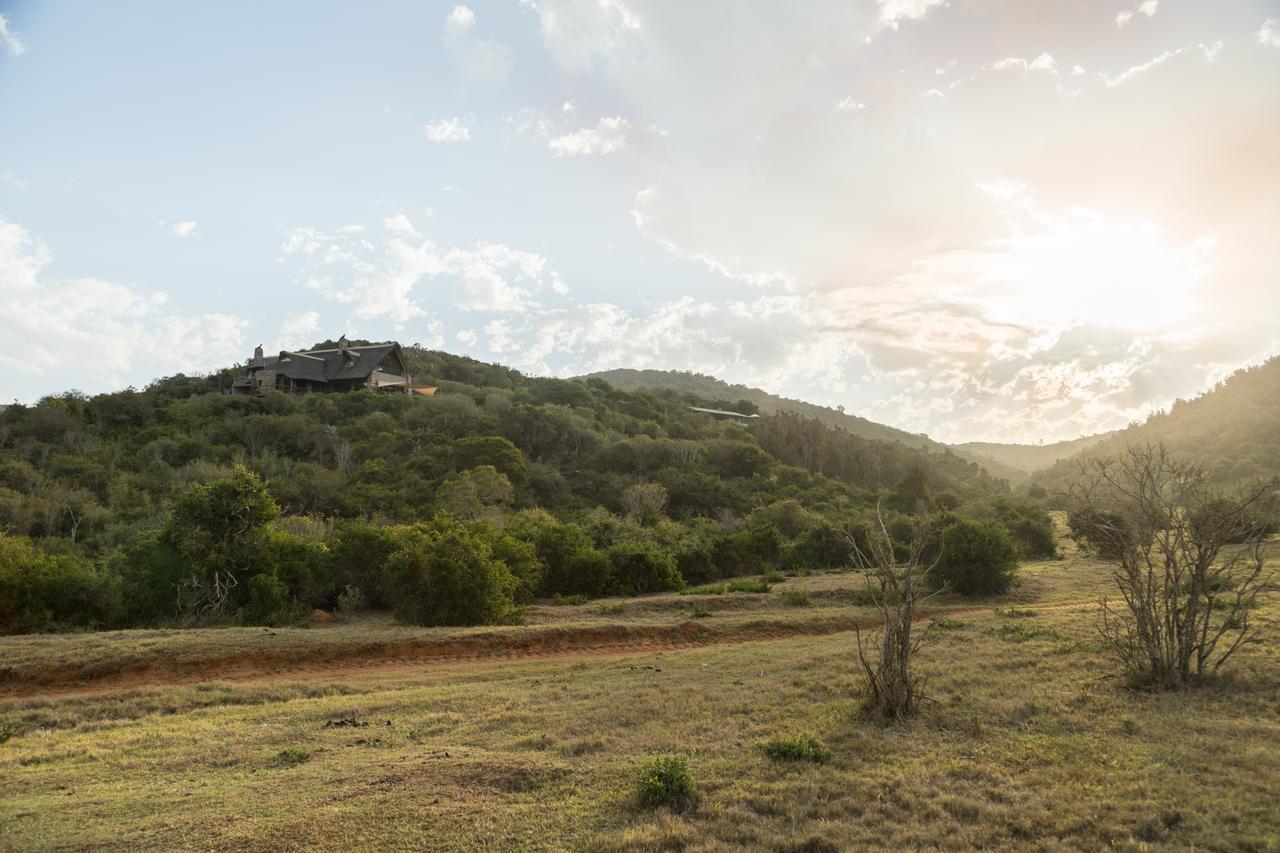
(997, 220)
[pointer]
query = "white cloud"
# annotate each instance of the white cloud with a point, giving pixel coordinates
(184, 229)
(1269, 34)
(298, 330)
(475, 60)
(608, 136)
(400, 224)
(467, 337)
(893, 11)
(448, 130)
(1044, 62)
(1210, 51)
(1147, 7)
(848, 104)
(9, 39)
(98, 335)
(460, 21)
(383, 280)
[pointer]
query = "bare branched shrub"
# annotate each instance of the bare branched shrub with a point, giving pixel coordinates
(1189, 561)
(892, 690)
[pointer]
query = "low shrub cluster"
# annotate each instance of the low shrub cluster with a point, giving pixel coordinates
(665, 783)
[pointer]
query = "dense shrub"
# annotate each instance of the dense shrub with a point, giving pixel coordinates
(590, 572)
(357, 557)
(268, 602)
(1100, 532)
(819, 547)
(444, 574)
(640, 568)
(977, 558)
(43, 592)
(665, 782)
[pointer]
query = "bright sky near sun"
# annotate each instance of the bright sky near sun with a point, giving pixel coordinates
(980, 219)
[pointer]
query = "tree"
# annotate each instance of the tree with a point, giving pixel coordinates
(217, 527)
(481, 492)
(1189, 561)
(644, 502)
(892, 690)
(976, 558)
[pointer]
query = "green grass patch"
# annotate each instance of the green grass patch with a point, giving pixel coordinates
(290, 757)
(1021, 633)
(1014, 612)
(700, 611)
(796, 748)
(795, 598)
(559, 600)
(739, 585)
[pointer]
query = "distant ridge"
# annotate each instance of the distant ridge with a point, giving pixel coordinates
(1028, 458)
(710, 388)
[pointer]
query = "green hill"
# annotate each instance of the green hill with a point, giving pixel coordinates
(181, 504)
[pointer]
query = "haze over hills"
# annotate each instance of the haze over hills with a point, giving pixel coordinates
(1028, 458)
(1232, 429)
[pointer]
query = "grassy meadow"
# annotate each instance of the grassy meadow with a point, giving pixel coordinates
(1027, 744)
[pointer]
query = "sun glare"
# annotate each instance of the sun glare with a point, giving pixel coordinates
(1086, 269)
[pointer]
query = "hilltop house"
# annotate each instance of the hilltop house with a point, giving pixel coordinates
(380, 367)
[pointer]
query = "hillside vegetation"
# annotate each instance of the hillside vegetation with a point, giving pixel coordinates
(710, 388)
(176, 504)
(1232, 430)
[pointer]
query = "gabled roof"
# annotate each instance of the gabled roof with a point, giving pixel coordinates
(330, 365)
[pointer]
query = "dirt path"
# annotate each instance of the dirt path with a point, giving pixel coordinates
(370, 658)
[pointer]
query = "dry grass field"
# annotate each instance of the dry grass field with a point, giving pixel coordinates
(530, 737)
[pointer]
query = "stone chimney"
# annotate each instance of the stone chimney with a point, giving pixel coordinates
(343, 346)
(258, 359)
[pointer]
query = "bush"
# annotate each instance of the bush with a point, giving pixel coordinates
(42, 592)
(444, 574)
(268, 602)
(591, 571)
(150, 569)
(1101, 532)
(817, 548)
(358, 555)
(796, 598)
(695, 563)
(796, 748)
(640, 568)
(977, 558)
(665, 781)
